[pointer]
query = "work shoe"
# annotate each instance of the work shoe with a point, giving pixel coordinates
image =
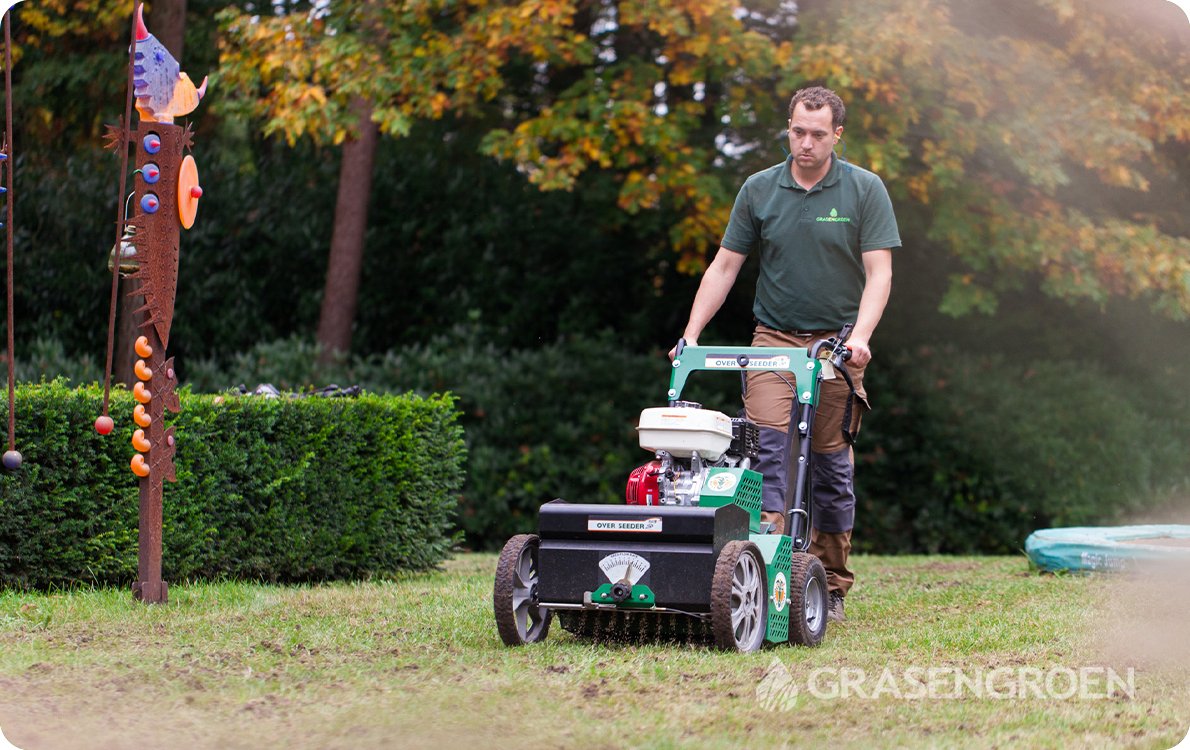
(775, 519)
(834, 611)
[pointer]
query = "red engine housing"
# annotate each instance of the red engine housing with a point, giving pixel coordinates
(642, 486)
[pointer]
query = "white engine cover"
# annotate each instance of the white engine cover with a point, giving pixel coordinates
(681, 431)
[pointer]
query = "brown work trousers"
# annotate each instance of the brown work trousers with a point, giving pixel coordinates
(768, 403)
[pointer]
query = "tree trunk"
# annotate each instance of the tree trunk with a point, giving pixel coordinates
(127, 329)
(340, 295)
(168, 24)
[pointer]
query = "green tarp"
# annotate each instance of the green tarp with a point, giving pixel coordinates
(1108, 547)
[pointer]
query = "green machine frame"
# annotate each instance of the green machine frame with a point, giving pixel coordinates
(777, 550)
(797, 361)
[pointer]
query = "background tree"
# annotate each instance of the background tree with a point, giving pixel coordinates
(168, 20)
(1035, 139)
(966, 113)
(621, 87)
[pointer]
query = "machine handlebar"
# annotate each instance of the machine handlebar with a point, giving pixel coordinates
(836, 347)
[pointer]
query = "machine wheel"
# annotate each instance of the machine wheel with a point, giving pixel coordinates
(519, 619)
(807, 600)
(739, 596)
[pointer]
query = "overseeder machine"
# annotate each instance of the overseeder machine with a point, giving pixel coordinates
(687, 558)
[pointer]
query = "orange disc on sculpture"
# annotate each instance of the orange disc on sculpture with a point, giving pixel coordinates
(141, 417)
(142, 347)
(141, 393)
(139, 467)
(142, 370)
(188, 192)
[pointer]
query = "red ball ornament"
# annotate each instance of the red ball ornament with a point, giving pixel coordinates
(104, 425)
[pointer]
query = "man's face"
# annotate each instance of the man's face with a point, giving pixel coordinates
(811, 137)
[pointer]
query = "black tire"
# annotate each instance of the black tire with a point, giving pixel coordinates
(519, 619)
(739, 598)
(808, 600)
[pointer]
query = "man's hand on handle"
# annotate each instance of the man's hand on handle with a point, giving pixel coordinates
(861, 354)
(689, 342)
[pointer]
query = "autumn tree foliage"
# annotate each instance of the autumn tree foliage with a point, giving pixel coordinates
(648, 91)
(66, 56)
(1039, 141)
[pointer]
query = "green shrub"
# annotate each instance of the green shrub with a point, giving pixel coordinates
(272, 489)
(46, 359)
(972, 453)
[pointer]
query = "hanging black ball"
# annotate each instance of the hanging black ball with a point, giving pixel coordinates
(12, 460)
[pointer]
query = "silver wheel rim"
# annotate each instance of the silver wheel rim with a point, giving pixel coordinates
(529, 619)
(815, 599)
(747, 602)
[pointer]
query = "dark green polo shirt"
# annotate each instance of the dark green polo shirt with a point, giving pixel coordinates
(811, 242)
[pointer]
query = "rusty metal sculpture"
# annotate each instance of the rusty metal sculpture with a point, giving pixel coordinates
(12, 457)
(165, 198)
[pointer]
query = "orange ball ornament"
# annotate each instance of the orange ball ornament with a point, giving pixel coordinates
(141, 417)
(141, 393)
(142, 370)
(142, 347)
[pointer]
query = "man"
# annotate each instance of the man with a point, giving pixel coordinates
(825, 231)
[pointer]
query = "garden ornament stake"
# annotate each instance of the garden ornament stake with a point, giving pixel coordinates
(12, 457)
(165, 199)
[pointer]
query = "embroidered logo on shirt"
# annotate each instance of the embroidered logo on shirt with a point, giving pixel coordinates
(835, 217)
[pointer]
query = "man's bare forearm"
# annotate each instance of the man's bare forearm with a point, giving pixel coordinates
(716, 283)
(877, 288)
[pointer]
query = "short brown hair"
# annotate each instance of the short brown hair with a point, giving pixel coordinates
(817, 97)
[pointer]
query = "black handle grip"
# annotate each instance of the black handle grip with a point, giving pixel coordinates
(836, 349)
(678, 349)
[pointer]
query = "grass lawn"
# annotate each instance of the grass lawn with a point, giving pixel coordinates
(416, 663)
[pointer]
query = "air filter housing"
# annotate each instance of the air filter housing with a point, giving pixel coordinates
(680, 432)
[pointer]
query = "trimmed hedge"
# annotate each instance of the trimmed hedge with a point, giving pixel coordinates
(280, 489)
